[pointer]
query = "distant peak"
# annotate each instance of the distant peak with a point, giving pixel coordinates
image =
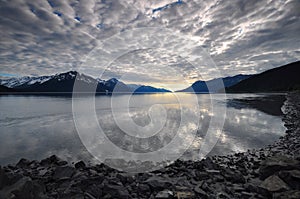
(114, 80)
(72, 72)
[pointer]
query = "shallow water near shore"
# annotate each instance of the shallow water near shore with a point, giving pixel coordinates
(36, 127)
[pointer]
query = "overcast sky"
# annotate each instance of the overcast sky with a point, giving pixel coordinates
(46, 37)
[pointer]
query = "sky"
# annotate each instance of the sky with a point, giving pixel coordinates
(46, 37)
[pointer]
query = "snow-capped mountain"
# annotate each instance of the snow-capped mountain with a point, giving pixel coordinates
(64, 83)
(14, 82)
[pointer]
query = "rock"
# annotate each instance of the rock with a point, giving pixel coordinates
(184, 194)
(116, 191)
(209, 164)
(212, 171)
(30, 190)
(23, 163)
(238, 188)
(8, 178)
(158, 183)
(199, 191)
(61, 163)
(53, 160)
(275, 164)
(201, 175)
(235, 177)
(292, 178)
(63, 172)
(87, 181)
(295, 194)
(93, 191)
(164, 194)
(144, 188)
(223, 195)
(23, 188)
(80, 165)
(274, 184)
(246, 194)
(4, 180)
(251, 188)
(218, 178)
(206, 187)
(125, 178)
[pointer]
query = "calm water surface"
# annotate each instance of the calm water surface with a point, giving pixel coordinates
(36, 127)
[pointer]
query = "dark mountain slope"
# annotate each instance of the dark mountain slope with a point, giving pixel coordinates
(4, 89)
(214, 84)
(281, 79)
(150, 89)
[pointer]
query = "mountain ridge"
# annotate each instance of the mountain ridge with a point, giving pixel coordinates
(280, 79)
(214, 85)
(64, 83)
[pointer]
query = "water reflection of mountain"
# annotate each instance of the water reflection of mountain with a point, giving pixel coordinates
(270, 104)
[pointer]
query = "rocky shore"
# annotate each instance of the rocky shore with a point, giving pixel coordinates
(271, 172)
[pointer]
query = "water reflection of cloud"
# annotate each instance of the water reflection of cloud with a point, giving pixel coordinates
(36, 135)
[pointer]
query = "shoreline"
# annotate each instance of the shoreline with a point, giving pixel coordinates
(270, 172)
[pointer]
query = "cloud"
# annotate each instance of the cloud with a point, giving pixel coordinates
(42, 37)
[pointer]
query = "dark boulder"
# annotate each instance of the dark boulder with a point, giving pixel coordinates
(63, 172)
(275, 164)
(274, 184)
(80, 165)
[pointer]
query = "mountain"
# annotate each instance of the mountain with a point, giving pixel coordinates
(4, 89)
(63, 83)
(150, 89)
(214, 84)
(284, 78)
(59, 83)
(114, 85)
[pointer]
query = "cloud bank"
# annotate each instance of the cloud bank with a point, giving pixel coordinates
(42, 37)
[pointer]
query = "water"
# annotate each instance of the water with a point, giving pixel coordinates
(36, 127)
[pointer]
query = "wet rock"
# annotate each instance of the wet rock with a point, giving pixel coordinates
(277, 163)
(80, 165)
(164, 194)
(63, 172)
(274, 184)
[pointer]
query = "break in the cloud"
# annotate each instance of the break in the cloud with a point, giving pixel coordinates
(42, 37)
